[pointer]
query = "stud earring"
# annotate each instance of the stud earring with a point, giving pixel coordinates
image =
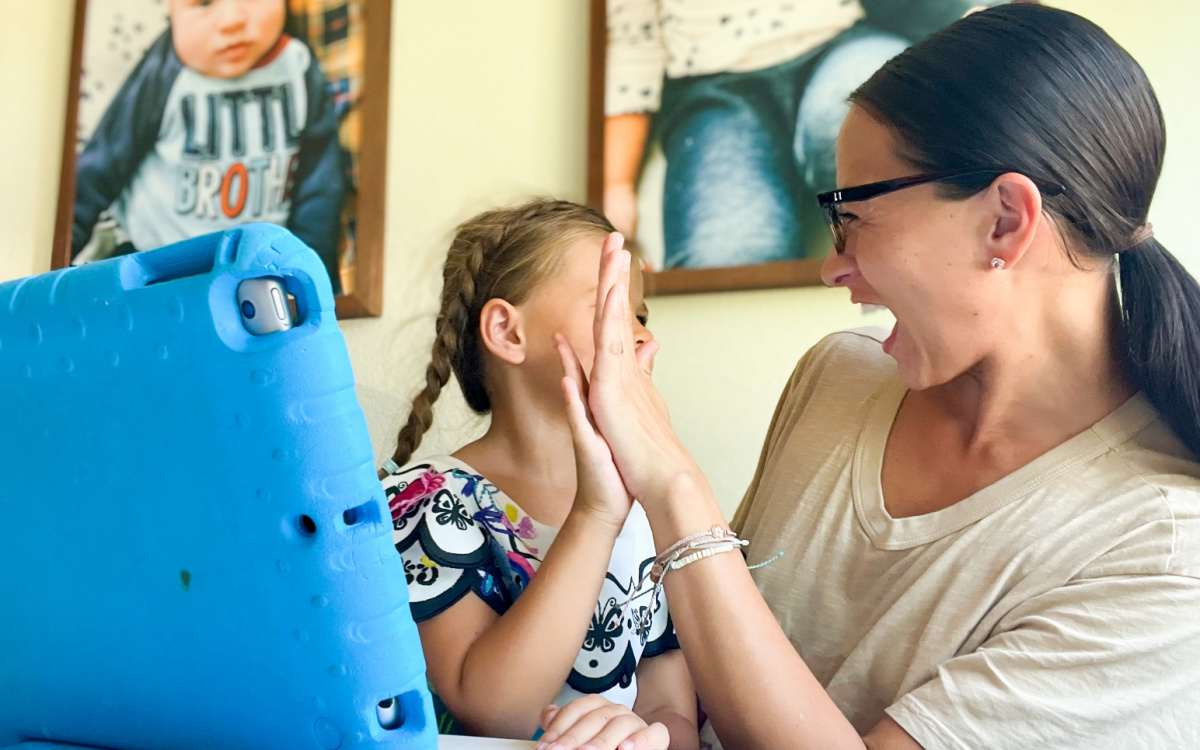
(998, 264)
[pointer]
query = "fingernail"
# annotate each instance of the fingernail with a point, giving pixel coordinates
(549, 737)
(588, 747)
(626, 745)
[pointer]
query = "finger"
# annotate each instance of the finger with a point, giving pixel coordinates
(547, 715)
(609, 272)
(566, 716)
(624, 309)
(581, 427)
(571, 365)
(653, 737)
(616, 336)
(585, 728)
(615, 731)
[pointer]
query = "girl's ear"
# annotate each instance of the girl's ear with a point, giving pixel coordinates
(501, 331)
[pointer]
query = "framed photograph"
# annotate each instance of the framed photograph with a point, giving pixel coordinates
(186, 117)
(712, 127)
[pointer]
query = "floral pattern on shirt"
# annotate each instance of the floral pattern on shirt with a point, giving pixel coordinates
(457, 533)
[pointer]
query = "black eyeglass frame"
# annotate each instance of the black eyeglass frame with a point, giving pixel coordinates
(831, 200)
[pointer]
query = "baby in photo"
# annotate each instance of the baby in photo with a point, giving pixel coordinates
(224, 121)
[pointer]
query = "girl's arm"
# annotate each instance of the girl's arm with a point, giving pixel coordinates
(496, 672)
(666, 696)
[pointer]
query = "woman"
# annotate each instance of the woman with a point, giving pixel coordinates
(989, 521)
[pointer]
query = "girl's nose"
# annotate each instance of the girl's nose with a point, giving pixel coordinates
(641, 334)
(838, 270)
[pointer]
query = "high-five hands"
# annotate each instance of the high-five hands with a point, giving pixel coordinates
(626, 413)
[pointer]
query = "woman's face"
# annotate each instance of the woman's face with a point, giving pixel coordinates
(566, 304)
(922, 257)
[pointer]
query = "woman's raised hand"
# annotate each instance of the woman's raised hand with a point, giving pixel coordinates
(624, 404)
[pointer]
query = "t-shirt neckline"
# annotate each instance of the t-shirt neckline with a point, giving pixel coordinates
(886, 532)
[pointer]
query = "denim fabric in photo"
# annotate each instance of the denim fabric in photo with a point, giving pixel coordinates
(744, 150)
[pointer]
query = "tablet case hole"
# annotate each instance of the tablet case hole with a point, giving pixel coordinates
(392, 712)
(195, 257)
(365, 513)
(307, 526)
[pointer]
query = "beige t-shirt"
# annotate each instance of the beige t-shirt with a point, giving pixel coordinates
(1057, 608)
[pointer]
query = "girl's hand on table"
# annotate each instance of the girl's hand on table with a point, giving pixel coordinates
(595, 723)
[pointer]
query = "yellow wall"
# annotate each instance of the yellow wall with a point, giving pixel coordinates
(487, 106)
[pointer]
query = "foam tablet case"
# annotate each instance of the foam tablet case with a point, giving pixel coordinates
(195, 551)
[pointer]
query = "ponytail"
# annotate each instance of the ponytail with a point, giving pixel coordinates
(1160, 329)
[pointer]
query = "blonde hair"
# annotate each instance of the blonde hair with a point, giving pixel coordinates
(501, 254)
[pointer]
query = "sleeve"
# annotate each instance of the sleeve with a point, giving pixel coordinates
(918, 19)
(445, 551)
(319, 187)
(636, 58)
(125, 134)
(1104, 662)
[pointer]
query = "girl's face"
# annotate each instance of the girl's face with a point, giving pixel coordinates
(224, 38)
(924, 258)
(566, 304)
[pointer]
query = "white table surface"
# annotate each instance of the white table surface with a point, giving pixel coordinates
(449, 742)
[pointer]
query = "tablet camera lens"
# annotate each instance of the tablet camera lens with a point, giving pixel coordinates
(248, 309)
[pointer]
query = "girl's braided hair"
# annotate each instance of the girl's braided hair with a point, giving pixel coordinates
(500, 254)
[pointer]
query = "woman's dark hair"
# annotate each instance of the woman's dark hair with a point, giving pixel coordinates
(1046, 93)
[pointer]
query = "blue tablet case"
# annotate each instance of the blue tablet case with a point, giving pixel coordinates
(195, 551)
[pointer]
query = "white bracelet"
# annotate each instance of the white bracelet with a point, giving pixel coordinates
(688, 560)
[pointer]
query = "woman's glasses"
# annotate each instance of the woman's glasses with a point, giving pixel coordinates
(830, 201)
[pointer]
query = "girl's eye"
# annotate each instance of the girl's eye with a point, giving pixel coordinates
(846, 216)
(644, 320)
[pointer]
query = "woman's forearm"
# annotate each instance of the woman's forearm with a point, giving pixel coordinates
(756, 689)
(519, 664)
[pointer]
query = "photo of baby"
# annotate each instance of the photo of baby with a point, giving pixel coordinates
(199, 115)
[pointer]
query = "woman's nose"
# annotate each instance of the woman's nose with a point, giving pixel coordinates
(838, 270)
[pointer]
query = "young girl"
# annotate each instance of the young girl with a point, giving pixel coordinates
(523, 589)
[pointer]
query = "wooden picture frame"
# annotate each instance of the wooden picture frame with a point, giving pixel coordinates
(808, 237)
(360, 270)
(791, 273)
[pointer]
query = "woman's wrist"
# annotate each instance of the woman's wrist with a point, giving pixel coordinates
(685, 505)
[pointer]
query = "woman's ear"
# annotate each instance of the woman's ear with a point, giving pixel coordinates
(1016, 206)
(501, 331)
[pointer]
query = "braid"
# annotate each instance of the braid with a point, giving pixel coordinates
(458, 297)
(498, 254)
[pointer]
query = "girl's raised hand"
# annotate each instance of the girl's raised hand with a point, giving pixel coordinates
(629, 412)
(599, 489)
(595, 723)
